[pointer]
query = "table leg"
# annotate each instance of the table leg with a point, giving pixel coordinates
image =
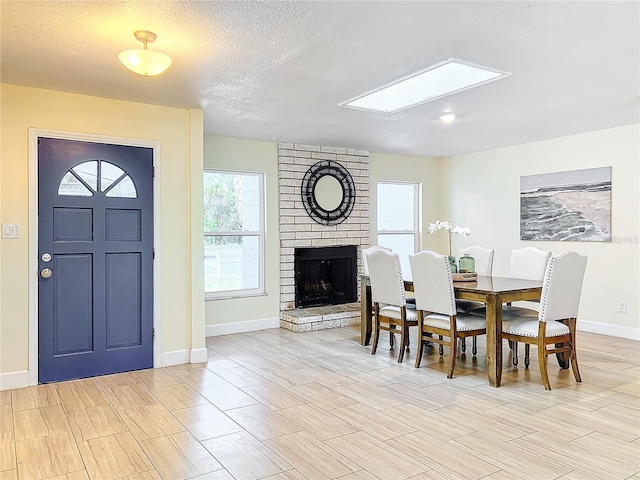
(494, 339)
(366, 312)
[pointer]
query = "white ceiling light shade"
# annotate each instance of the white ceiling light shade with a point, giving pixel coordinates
(142, 61)
(437, 81)
(447, 118)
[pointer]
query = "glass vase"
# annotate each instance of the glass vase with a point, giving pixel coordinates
(467, 264)
(452, 264)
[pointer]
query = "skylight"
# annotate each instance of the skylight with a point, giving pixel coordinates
(440, 80)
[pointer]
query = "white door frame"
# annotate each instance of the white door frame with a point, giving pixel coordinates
(34, 134)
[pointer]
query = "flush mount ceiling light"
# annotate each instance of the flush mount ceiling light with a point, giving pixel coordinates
(447, 118)
(142, 61)
(437, 81)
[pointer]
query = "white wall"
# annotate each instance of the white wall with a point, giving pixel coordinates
(482, 192)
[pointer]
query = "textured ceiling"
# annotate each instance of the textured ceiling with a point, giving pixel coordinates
(277, 70)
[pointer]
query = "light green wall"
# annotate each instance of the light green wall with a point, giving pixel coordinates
(483, 193)
(402, 168)
(236, 154)
(480, 191)
(256, 156)
(24, 108)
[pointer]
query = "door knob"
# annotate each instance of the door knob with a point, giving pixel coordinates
(46, 273)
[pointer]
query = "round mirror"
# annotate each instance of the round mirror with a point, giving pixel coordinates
(328, 192)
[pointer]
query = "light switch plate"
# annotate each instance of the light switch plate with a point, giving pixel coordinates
(10, 230)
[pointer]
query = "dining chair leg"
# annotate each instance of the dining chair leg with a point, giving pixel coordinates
(392, 336)
(574, 355)
(463, 345)
(453, 354)
(376, 334)
(514, 352)
(440, 347)
(474, 348)
(408, 340)
(403, 341)
(574, 365)
(420, 341)
(527, 359)
(542, 361)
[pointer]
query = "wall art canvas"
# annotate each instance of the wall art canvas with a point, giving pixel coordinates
(566, 206)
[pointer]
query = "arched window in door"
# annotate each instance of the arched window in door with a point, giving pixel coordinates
(89, 178)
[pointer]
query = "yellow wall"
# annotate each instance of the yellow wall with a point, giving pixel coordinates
(24, 108)
(483, 193)
(236, 154)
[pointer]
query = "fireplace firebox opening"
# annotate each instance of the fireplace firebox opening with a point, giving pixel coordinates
(325, 276)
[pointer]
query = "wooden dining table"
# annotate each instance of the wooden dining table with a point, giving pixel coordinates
(492, 291)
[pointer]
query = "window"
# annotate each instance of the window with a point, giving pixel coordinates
(399, 218)
(82, 181)
(233, 234)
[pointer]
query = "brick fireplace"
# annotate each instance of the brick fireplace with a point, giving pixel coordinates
(299, 230)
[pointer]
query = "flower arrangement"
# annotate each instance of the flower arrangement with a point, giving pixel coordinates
(434, 227)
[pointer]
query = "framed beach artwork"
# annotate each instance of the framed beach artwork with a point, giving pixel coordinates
(566, 206)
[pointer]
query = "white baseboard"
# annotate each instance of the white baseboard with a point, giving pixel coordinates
(13, 380)
(180, 357)
(20, 378)
(175, 357)
(241, 327)
(199, 355)
(607, 329)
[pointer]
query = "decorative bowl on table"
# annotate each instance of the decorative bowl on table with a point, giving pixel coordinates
(464, 277)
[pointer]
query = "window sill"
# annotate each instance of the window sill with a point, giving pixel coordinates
(232, 295)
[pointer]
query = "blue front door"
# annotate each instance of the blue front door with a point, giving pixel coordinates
(95, 241)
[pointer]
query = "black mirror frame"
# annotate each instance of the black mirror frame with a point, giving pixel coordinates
(311, 205)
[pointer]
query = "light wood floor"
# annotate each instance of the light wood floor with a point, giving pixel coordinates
(281, 405)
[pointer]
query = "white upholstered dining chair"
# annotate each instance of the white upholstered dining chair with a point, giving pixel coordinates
(368, 251)
(390, 308)
(483, 259)
(484, 266)
(556, 322)
(438, 319)
(528, 263)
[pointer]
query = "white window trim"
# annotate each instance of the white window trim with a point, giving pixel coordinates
(417, 212)
(261, 234)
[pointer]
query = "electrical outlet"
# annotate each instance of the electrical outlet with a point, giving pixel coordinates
(622, 307)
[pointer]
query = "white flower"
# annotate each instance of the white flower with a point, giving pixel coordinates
(462, 230)
(434, 227)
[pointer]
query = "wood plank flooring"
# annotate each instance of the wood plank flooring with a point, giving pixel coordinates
(280, 405)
